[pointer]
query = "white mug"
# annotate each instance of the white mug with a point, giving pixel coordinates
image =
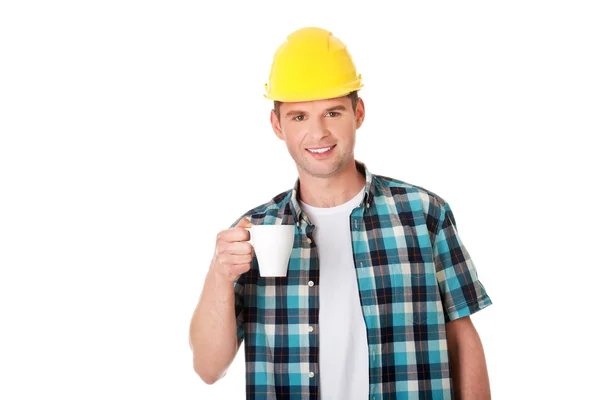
(273, 246)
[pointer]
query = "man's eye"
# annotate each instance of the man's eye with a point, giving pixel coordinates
(333, 113)
(299, 118)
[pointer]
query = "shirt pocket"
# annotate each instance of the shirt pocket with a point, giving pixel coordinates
(414, 292)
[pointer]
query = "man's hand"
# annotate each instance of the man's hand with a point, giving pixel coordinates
(233, 252)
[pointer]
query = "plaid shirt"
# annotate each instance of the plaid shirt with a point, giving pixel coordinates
(413, 273)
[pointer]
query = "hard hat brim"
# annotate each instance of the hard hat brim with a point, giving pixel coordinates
(319, 94)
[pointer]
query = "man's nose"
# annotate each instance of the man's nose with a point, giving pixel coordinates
(318, 129)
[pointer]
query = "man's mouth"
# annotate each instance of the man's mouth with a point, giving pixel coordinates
(320, 150)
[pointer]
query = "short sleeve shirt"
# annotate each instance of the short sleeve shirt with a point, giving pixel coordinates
(414, 275)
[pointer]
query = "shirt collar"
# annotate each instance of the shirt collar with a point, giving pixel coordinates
(367, 199)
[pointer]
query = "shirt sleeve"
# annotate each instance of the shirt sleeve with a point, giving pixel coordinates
(238, 293)
(461, 291)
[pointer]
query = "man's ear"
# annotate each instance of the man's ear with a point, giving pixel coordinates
(276, 125)
(360, 112)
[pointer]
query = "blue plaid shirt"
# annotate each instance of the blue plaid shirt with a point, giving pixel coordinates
(413, 273)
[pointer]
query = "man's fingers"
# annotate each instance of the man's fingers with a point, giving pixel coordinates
(235, 259)
(239, 248)
(233, 251)
(234, 235)
(239, 269)
(237, 233)
(235, 248)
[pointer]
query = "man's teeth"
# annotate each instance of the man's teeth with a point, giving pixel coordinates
(319, 150)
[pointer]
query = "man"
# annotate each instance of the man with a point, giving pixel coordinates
(379, 289)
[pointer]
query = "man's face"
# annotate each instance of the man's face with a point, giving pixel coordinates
(320, 135)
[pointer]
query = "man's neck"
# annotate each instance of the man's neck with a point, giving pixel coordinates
(332, 191)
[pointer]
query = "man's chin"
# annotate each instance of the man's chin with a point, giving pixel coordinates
(321, 171)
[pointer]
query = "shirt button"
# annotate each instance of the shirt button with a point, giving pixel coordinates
(310, 328)
(311, 283)
(311, 374)
(368, 205)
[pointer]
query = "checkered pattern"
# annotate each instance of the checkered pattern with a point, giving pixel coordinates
(414, 275)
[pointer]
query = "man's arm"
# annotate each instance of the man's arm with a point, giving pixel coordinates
(467, 361)
(213, 330)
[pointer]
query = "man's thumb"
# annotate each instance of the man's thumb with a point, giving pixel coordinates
(244, 223)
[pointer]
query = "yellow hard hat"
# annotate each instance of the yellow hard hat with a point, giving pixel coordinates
(311, 64)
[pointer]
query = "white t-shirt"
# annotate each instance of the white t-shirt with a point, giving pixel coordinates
(343, 347)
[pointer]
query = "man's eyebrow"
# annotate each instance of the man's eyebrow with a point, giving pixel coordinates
(339, 107)
(293, 112)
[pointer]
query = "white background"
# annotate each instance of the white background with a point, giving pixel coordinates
(131, 132)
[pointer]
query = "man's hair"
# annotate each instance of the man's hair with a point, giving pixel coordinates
(352, 95)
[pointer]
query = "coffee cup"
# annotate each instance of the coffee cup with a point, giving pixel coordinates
(273, 246)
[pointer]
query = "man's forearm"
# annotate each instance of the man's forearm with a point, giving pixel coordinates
(467, 362)
(213, 336)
